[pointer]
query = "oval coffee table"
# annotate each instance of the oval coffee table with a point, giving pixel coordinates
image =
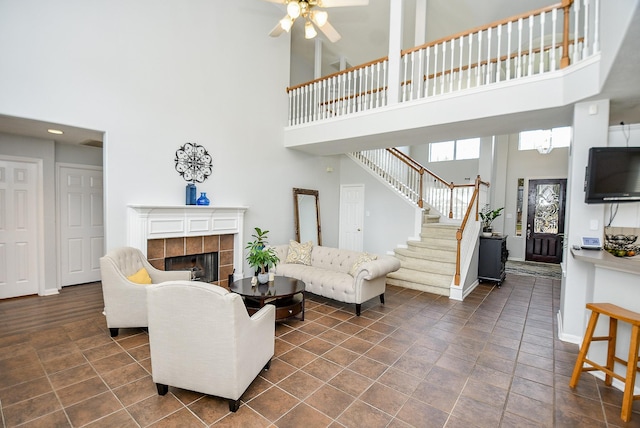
(286, 294)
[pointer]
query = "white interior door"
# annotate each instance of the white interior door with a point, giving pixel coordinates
(351, 217)
(81, 223)
(18, 228)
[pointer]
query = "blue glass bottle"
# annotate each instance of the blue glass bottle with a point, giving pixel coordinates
(191, 194)
(203, 200)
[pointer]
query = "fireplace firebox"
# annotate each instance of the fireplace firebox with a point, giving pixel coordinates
(203, 267)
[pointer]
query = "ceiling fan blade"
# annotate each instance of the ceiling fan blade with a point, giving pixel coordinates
(330, 32)
(277, 30)
(341, 3)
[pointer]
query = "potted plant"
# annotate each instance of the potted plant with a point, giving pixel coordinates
(261, 257)
(488, 215)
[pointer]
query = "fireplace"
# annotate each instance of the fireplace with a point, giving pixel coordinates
(203, 267)
(162, 232)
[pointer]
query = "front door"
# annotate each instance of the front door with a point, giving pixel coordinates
(545, 220)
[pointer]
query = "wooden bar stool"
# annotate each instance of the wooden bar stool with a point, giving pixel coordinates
(614, 313)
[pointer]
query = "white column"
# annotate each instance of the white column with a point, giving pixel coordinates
(590, 129)
(421, 23)
(317, 66)
(395, 46)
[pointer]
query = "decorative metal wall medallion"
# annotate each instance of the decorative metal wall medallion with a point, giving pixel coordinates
(193, 163)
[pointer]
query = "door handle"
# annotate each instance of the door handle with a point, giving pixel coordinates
(528, 231)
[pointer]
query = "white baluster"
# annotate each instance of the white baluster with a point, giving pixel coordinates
(509, 60)
(444, 66)
(554, 27)
(530, 68)
(479, 58)
(596, 27)
(576, 24)
(470, 36)
(427, 81)
(585, 52)
(461, 41)
(542, 20)
(498, 62)
(488, 75)
(435, 69)
(405, 58)
(519, 62)
(420, 75)
(453, 48)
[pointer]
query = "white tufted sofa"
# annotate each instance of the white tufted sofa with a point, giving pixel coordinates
(328, 275)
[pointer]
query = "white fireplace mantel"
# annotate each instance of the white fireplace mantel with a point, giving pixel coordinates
(166, 221)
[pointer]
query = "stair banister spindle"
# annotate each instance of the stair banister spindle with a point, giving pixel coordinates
(470, 37)
(452, 48)
(530, 67)
(427, 73)
(509, 35)
(585, 51)
(596, 27)
(461, 42)
(488, 74)
(554, 26)
(499, 45)
(576, 26)
(519, 63)
(479, 58)
(542, 22)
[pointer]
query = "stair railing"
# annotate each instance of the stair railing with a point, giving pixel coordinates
(534, 42)
(416, 182)
(473, 206)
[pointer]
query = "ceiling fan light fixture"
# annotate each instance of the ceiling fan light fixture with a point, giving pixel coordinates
(286, 23)
(293, 9)
(320, 17)
(309, 31)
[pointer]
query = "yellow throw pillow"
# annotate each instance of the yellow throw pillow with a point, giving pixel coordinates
(140, 277)
(362, 258)
(299, 253)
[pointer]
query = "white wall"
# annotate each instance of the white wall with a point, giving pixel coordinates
(83, 155)
(154, 76)
(391, 220)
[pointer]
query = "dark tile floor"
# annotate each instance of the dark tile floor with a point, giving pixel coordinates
(418, 361)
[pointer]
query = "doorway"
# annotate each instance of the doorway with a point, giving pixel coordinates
(545, 220)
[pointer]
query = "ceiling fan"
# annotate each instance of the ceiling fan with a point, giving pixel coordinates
(313, 15)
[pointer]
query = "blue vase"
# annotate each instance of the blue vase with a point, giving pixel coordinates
(203, 200)
(191, 194)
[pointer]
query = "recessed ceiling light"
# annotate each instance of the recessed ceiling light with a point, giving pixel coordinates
(55, 131)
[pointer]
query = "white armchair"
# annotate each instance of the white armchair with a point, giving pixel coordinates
(202, 339)
(125, 303)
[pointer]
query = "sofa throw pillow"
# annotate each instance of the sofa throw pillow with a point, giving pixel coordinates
(140, 277)
(299, 253)
(362, 258)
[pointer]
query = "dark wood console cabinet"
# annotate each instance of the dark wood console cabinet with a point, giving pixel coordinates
(492, 259)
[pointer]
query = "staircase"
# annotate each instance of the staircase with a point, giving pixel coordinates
(430, 263)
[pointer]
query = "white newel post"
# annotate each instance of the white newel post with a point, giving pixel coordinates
(160, 222)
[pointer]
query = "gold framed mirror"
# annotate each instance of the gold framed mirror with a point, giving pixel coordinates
(306, 214)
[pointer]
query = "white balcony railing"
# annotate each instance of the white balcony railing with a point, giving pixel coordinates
(533, 43)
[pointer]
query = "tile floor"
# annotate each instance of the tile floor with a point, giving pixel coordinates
(418, 361)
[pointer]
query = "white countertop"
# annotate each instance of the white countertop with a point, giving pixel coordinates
(603, 259)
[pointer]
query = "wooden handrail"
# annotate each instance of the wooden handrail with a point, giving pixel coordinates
(495, 60)
(491, 25)
(475, 201)
(337, 73)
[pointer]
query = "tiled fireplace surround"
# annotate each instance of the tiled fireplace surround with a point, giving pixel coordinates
(159, 249)
(169, 231)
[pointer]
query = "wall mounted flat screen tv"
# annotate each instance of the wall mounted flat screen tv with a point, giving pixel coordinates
(612, 175)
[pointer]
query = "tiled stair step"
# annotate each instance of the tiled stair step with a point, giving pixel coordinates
(434, 243)
(419, 277)
(427, 254)
(398, 278)
(428, 266)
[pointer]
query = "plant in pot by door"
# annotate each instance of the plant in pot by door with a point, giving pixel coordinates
(488, 215)
(261, 257)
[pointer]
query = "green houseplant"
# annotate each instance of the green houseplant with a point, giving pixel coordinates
(488, 216)
(261, 257)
